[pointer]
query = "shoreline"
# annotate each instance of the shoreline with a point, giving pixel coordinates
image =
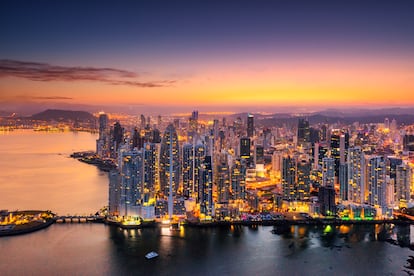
(30, 227)
(36, 226)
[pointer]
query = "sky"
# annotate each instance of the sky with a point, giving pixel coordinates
(206, 55)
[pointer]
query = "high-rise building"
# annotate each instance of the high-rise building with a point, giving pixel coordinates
(289, 177)
(403, 182)
(343, 182)
(259, 154)
(131, 183)
(245, 148)
(102, 143)
(223, 183)
(328, 172)
(408, 142)
(303, 134)
(392, 164)
(339, 145)
(238, 180)
(250, 125)
(143, 123)
(356, 175)
(137, 140)
(187, 170)
(150, 171)
(206, 181)
(326, 197)
(114, 192)
(376, 181)
(169, 166)
(303, 168)
(117, 138)
(193, 125)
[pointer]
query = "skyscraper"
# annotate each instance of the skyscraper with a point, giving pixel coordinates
(245, 147)
(250, 125)
(403, 182)
(303, 134)
(376, 182)
(303, 168)
(328, 172)
(238, 180)
(339, 145)
(356, 175)
(117, 138)
(206, 185)
(223, 183)
(169, 165)
(259, 154)
(289, 177)
(187, 170)
(114, 192)
(131, 183)
(150, 171)
(102, 143)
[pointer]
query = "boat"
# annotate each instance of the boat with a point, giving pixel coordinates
(151, 255)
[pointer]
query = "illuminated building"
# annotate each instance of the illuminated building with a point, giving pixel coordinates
(137, 140)
(356, 175)
(259, 155)
(223, 183)
(150, 171)
(245, 148)
(238, 180)
(250, 125)
(169, 166)
(114, 192)
(187, 170)
(408, 142)
(392, 164)
(326, 197)
(193, 126)
(131, 183)
(102, 143)
(289, 177)
(303, 168)
(303, 133)
(206, 188)
(376, 182)
(328, 172)
(143, 124)
(343, 181)
(403, 181)
(192, 162)
(339, 144)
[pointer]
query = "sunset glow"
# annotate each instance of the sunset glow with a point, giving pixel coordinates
(284, 55)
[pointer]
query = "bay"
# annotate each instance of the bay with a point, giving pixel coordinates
(36, 173)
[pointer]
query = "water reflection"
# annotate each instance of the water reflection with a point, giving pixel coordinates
(332, 236)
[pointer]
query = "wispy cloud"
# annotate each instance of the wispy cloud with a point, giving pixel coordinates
(51, 98)
(37, 71)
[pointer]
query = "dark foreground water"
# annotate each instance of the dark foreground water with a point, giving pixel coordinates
(97, 249)
(36, 173)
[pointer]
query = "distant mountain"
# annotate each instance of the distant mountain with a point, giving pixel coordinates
(5, 113)
(63, 115)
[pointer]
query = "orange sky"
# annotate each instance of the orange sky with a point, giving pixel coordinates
(308, 82)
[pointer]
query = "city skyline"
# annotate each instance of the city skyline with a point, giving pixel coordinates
(214, 56)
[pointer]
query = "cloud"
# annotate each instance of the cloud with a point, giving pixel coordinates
(51, 98)
(37, 71)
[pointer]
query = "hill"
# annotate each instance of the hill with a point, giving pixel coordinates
(63, 115)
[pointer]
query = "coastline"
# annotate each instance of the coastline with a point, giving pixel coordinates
(29, 227)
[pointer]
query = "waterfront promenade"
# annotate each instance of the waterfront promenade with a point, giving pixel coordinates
(43, 219)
